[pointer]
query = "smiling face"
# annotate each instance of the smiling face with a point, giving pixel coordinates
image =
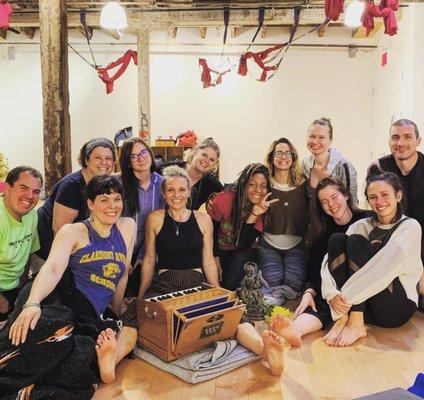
(140, 158)
(334, 203)
(100, 161)
(403, 142)
(176, 192)
(256, 188)
(106, 208)
(281, 160)
(205, 159)
(23, 195)
(383, 200)
(318, 140)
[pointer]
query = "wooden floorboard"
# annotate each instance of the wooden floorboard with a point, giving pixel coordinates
(385, 359)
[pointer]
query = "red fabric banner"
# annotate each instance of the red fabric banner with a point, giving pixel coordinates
(259, 59)
(5, 13)
(206, 76)
(333, 9)
(123, 63)
(386, 10)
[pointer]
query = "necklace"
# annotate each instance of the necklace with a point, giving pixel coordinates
(177, 227)
(176, 224)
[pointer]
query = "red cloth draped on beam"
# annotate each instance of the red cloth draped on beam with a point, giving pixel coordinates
(333, 9)
(206, 77)
(123, 63)
(5, 12)
(386, 9)
(258, 58)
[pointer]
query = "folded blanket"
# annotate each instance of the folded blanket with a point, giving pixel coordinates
(204, 364)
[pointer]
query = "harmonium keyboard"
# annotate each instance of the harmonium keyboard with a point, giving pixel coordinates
(179, 323)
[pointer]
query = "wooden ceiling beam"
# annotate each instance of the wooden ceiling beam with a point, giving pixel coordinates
(183, 19)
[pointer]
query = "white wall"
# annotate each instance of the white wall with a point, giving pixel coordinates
(243, 115)
(398, 87)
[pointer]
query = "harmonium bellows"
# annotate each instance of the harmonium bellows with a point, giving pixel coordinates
(179, 323)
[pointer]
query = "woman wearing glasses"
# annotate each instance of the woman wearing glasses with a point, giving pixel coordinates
(281, 252)
(325, 161)
(142, 195)
(199, 168)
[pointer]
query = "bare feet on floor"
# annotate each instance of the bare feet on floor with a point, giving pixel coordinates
(285, 327)
(273, 352)
(106, 355)
(333, 335)
(350, 334)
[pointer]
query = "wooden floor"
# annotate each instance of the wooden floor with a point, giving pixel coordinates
(385, 359)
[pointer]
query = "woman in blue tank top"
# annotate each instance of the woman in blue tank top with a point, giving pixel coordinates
(90, 261)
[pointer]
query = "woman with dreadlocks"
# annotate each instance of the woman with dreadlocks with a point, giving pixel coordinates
(281, 250)
(237, 214)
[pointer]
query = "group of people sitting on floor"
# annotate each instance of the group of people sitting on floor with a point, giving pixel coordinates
(105, 237)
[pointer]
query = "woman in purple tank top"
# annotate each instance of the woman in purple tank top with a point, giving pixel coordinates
(96, 254)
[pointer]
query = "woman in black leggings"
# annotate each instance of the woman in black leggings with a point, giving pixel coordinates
(373, 270)
(370, 272)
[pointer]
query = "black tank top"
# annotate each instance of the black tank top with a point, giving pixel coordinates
(179, 245)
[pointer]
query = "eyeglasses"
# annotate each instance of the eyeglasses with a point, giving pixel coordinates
(143, 154)
(280, 154)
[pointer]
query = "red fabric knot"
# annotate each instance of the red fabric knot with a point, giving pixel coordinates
(386, 9)
(123, 63)
(5, 13)
(206, 76)
(259, 60)
(333, 9)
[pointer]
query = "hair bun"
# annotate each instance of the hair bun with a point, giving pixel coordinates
(373, 171)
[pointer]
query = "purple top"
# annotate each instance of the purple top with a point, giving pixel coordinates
(149, 200)
(98, 267)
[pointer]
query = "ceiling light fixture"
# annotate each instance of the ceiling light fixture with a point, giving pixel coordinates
(353, 14)
(113, 16)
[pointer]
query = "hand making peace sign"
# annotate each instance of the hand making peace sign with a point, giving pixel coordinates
(262, 207)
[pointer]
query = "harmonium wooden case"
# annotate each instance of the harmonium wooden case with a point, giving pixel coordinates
(179, 323)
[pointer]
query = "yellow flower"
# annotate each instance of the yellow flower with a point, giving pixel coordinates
(278, 310)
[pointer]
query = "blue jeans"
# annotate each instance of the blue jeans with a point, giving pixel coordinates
(283, 270)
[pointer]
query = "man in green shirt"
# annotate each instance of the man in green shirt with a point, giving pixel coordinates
(18, 232)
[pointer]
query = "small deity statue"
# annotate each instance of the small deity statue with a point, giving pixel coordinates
(250, 292)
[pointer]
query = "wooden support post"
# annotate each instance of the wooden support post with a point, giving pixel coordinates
(173, 32)
(144, 83)
(322, 30)
(54, 75)
(28, 32)
(202, 31)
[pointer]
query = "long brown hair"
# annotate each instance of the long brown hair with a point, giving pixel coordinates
(319, 218)
(129, 180)
(295, 171)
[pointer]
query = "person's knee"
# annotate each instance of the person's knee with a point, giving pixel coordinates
(337, 239)
(356, 243)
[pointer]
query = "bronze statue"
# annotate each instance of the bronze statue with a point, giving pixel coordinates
(250, 292)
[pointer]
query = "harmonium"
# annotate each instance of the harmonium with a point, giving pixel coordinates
(179, 323)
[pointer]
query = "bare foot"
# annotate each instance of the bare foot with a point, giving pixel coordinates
(331, 337)
(285, 327)
(273, 352)
(351, 333)
(106, 353)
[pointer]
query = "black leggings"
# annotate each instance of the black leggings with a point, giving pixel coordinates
(347, 254)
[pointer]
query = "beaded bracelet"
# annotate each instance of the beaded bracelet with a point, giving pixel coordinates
(26, 305)
(251, 212)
